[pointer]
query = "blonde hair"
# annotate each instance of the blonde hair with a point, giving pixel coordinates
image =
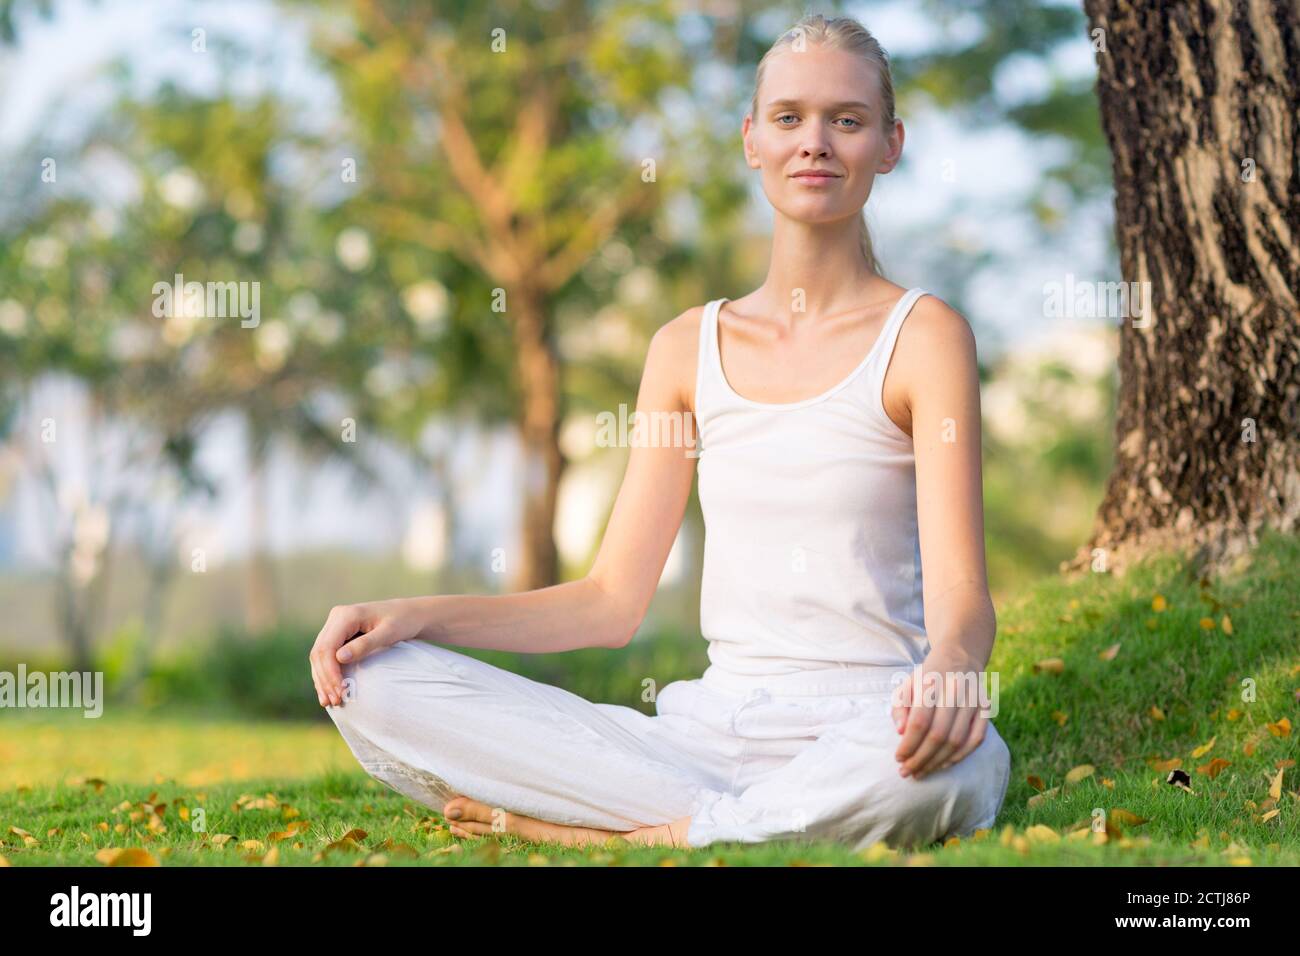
(842, 33)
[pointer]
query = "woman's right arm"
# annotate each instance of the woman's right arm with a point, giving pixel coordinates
(602, 609)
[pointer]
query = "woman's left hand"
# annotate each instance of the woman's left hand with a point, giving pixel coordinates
(938, 721)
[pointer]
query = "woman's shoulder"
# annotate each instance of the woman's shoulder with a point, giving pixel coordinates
(680, 335)
(672, 357)
(935, 341)
(933, 323)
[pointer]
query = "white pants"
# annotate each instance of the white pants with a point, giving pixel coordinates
(795, 758)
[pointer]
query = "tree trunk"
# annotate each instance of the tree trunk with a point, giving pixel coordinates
(538, 367)
(1200, 103)
(261, 608)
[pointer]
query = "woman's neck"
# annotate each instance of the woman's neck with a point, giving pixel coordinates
(818, 269)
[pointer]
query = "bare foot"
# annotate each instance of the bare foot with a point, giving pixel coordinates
(478, 819)
(666, 834)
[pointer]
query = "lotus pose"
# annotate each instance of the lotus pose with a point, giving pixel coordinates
(835, 425)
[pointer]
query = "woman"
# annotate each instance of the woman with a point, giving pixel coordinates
(839, 457)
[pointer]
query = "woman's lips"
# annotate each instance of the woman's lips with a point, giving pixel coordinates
(815, 180)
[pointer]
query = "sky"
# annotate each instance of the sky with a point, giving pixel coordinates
(47, 86)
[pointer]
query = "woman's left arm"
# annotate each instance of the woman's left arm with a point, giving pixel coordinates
(936, 359)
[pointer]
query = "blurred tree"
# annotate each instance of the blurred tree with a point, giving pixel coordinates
(500, 140)
(194, 195)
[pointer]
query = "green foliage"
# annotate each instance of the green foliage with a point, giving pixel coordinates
(267, 676)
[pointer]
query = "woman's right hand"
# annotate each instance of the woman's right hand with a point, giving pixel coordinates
(355, 631)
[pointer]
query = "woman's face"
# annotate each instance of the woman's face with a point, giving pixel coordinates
(820, 109)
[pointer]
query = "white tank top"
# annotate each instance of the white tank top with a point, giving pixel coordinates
(811, 553)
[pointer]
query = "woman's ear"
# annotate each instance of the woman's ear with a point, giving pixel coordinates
(746, 128)
(894, 148)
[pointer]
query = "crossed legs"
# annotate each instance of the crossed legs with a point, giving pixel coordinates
(516, 756)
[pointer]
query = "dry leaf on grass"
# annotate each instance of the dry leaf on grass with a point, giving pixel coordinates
(1214, 767)
(128, 856)
(1081, 772)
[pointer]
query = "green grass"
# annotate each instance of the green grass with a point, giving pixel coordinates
(78, 786)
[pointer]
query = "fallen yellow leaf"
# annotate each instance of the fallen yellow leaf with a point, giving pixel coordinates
(129, 856)
(1126, 817)
(1038, 833)
(1038, 798)
(1275, 788)
(1081, 772)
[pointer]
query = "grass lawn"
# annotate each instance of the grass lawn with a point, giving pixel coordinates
(1106, 685)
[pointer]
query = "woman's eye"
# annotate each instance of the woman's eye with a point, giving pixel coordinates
(791, 116)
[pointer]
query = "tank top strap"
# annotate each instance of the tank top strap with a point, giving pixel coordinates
(874, 380)
(894, 325)
(706, 362)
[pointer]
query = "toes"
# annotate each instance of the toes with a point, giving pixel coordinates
(462, 809)
(467, 817)
(470, 829)
(475, 811)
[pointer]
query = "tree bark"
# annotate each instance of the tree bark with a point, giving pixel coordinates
(1200, 102)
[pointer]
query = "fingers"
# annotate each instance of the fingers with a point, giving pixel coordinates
(974, 737)
(901, 700)
(927, 739)
(947, 731)
(316, 681)
(937, 728)
(340, 625)
(366, 644)
(957, 734)
(919, 718)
